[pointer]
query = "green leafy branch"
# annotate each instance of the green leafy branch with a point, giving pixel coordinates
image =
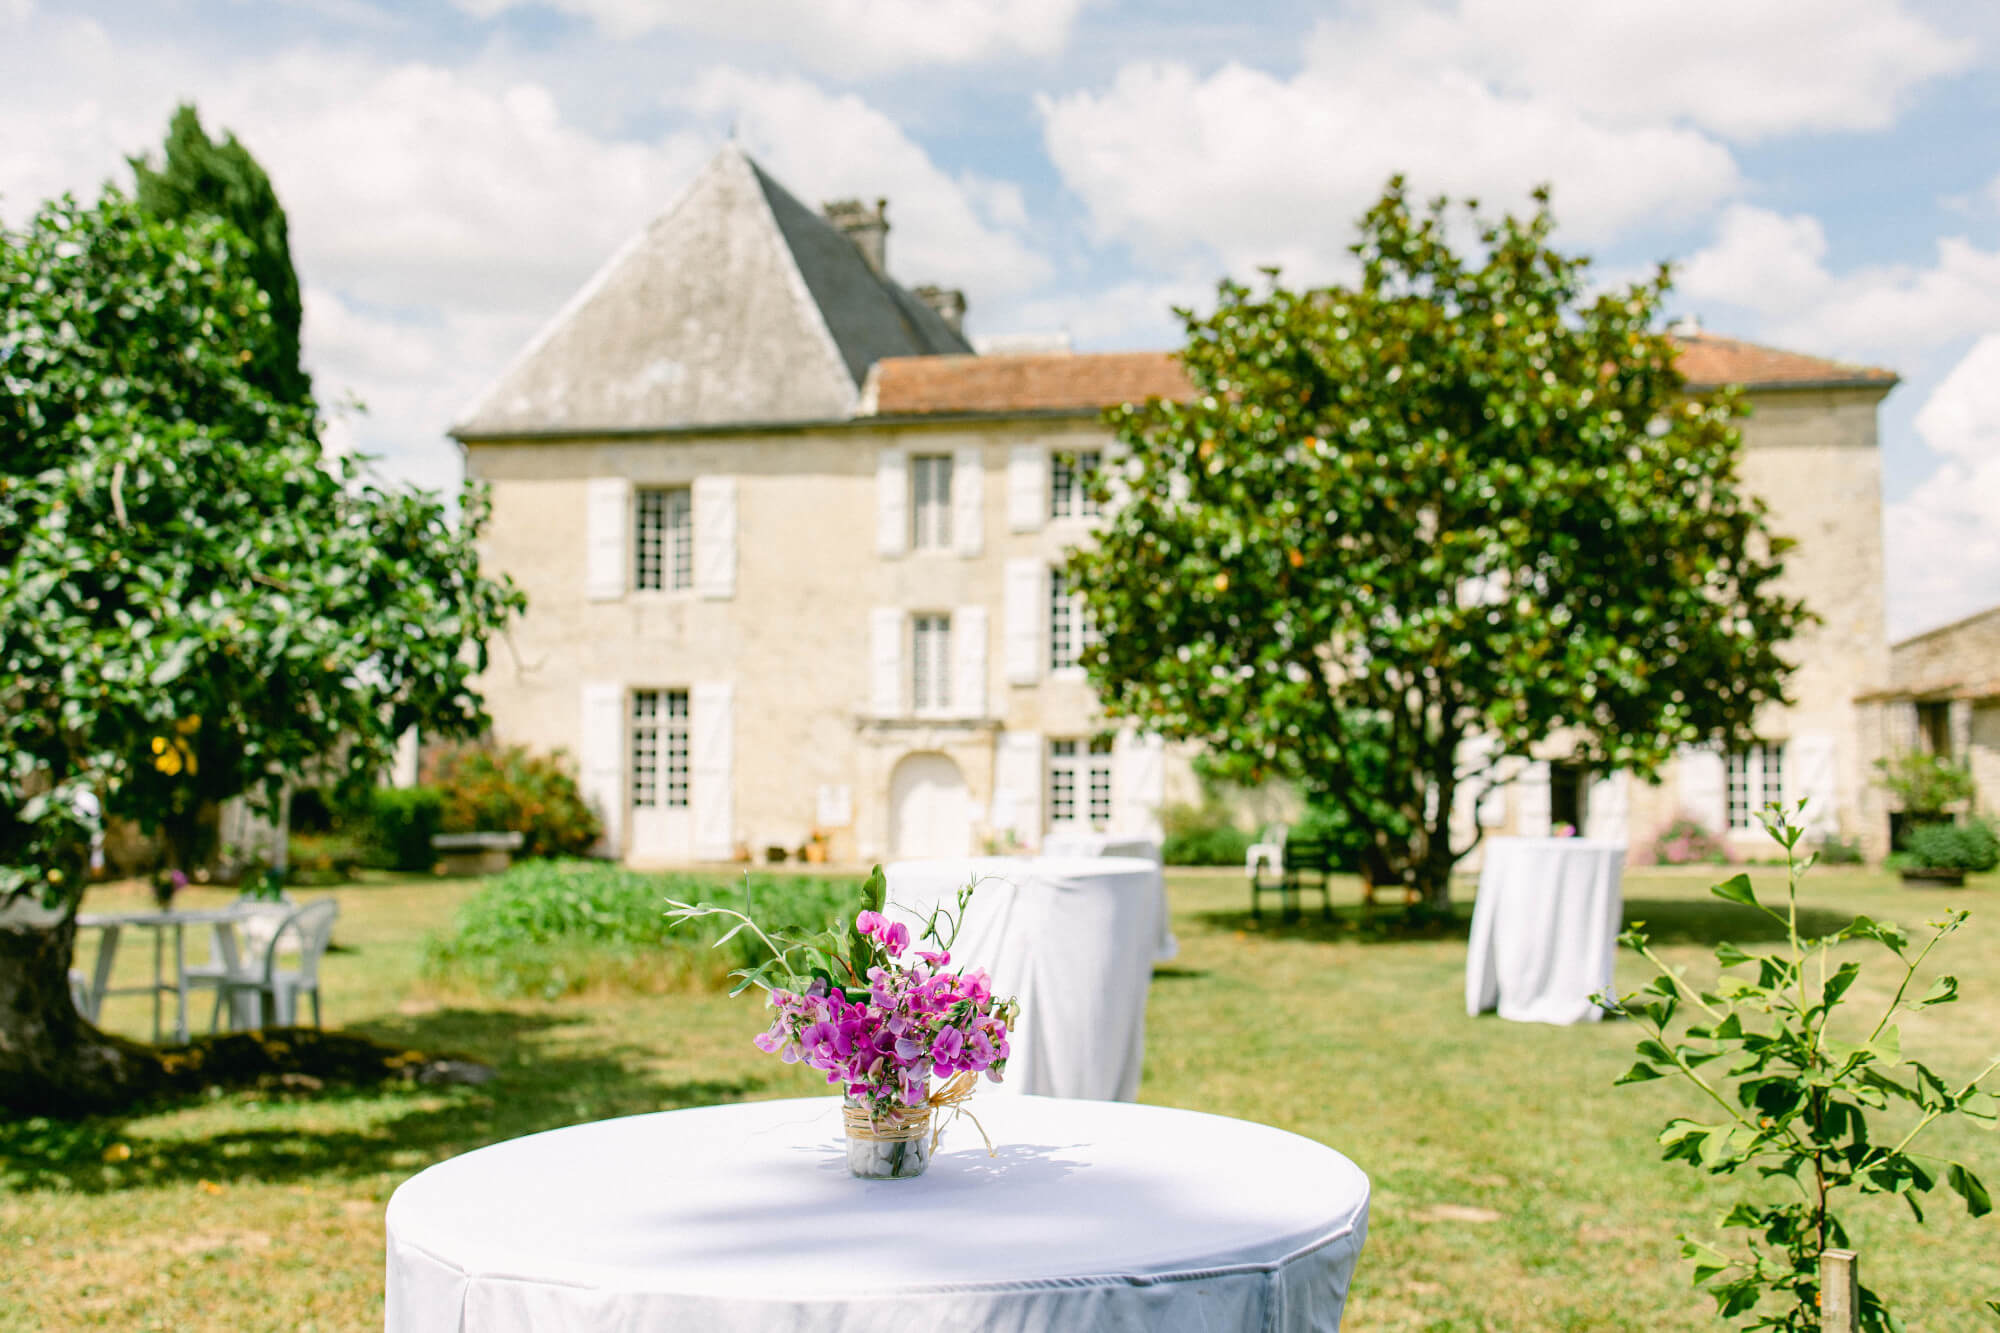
(1794, 1097)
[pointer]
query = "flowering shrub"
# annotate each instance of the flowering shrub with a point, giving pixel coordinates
(879, 1021)
(1687, 842)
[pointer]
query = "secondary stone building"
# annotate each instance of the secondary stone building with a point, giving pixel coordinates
(1943, 698)
(790, 549)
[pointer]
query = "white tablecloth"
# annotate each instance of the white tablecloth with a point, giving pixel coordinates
(1544, 928)
(743, 1219)
(1088, 842)
(1074, 939)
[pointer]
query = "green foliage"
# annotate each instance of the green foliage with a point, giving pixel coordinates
(1796, 1097)
(547, 927)
(202, 178)
(324, 858)
(1686, 842)
(514, 791)
(1835, 850)
(1925, 784)
(195, 601)
(1459, 498)
(1971, 845)
(1202, 835)
(396, 825)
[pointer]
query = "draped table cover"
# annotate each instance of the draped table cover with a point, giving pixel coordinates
(1073, 938)
(1544, 929)
(743, 1219)
(1089, 842)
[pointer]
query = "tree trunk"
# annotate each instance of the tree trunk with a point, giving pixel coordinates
(52, 1062)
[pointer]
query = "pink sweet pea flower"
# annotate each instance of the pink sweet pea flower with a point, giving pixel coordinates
(896, 939)
(946, 1046)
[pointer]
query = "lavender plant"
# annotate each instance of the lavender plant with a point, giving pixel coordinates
(1795, 1080)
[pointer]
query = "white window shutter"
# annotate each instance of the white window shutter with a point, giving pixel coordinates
(711, 769)
(1138, 783)
(1026, 582)
(1531, 801)
(968, 502)
(1606, 807)
(892, 502)
(885, 661)
(1017, 785)
(1812, 767)
(715, 537)
(609, 505)
(968, 677)
(1027, 487)
(601, 759)
(1699, 782)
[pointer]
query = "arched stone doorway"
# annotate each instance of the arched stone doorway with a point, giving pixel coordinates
(930, 813)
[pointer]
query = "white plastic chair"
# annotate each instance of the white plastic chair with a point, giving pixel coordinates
(308, 930)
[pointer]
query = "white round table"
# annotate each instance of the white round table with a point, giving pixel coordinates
(1074, 939)
(1544, 928)
(743, 1219)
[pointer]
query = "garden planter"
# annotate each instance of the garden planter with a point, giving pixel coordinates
(1934, 877)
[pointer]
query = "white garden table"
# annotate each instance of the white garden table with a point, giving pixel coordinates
(1544, 929)
(111, 925)
(1074, 939)
(743, 1219)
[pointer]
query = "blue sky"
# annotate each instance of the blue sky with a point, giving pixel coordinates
(1824, 171)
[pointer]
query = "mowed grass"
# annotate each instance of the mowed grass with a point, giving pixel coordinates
(1514, 1187)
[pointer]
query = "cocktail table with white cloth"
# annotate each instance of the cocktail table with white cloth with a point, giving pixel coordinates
(743, 1219)
(1089, 842)
(1073, 938)
(1544, 928)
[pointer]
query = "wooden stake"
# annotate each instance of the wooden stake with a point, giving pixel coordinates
(1839, 1283)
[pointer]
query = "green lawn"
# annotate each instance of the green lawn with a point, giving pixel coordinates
(1515, 1188)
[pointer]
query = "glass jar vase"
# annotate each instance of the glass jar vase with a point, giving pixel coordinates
(894, 1147)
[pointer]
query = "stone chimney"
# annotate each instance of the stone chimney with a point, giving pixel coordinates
(867, 227)
(948, 302)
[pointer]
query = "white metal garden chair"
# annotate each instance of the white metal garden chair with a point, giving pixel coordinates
(277, 989)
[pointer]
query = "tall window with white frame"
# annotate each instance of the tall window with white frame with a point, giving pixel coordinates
(663, 539)
(1071, 628)
(1080, 782)
(930, 663)
(1756, 778)
(659, 749)
(930, 502)
(1070, 476)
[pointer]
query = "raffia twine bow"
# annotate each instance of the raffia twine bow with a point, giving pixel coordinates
(903, 1126)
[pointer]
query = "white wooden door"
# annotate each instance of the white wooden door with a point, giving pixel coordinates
(930, 813)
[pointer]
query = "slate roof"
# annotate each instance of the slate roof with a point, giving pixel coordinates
(738, 305)
(1084, 382)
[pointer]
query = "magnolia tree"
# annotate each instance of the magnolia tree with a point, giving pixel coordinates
(1403, 530)
(195, 601)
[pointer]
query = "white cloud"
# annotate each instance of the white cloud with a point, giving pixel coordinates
(841, 36)
(1943, 537)
(965, 231)
(1261, 169)
(1745, 71)
(1773, 266)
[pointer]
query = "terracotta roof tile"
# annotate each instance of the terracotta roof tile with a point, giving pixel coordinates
(1082, 382)
(1710, 362)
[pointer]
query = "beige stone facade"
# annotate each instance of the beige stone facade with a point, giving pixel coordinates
(855, 641)
(1943, 698)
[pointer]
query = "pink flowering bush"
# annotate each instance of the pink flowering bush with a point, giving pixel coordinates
(878, 1019)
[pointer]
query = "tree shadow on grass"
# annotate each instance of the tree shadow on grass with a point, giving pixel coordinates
(1350, 923)
(1710, 921)
(534, 1088)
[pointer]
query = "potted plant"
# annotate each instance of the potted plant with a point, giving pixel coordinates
(1941, 854)
(1926, 789)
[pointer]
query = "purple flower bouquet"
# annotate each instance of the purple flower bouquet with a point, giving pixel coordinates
(881, 1022)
